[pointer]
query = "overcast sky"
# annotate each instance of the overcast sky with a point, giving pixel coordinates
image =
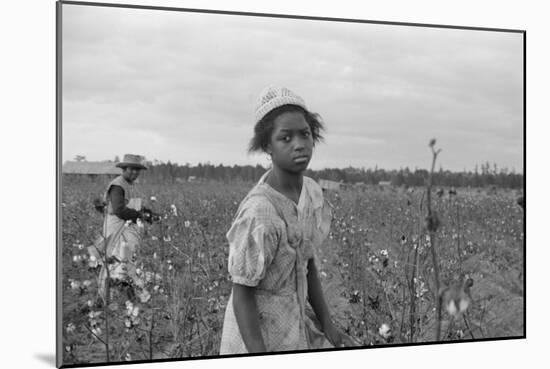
(182, 87)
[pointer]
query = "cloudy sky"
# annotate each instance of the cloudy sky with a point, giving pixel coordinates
(182, 87)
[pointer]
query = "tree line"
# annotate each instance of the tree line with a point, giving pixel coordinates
(482, 176)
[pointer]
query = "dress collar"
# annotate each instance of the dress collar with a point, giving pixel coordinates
(301, 200)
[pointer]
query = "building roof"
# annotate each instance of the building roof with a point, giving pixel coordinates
(327, 184)
(90, 167)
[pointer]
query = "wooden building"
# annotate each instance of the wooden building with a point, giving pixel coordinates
(90, 169)
(327, 184)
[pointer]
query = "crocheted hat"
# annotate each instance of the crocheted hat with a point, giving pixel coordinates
(274, 97)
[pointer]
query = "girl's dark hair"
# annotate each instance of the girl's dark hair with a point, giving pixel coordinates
(264, 128)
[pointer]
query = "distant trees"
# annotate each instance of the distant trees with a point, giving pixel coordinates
(168, 172)
(490, 175)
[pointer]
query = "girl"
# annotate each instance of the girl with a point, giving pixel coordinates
(273, 238)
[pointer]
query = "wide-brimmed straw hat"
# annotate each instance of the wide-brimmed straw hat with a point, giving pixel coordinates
(133, 161)
(273, 97)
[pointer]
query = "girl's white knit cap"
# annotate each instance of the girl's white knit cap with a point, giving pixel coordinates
(273, 97)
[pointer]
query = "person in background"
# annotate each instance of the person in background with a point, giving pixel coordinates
(122, 228)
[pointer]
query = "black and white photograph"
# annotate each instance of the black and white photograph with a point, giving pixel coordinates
(236, 184)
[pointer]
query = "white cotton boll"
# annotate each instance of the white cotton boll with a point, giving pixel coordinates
(94, 314)
(463, 305)
(139, 282)
(92, 262)
(174, 210)
(451, 308)
(384, 330)
(70, 328)
(144, 296)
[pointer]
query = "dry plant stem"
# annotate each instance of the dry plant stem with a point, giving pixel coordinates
(107, 290)
(207, 252)
(391, 225)
(162, 252)
(151, 334)
(93, 334)
(364, 292)
(175, 310)
(458, 240)
(468, 326)
(187, 306)
(190, 339)
(107, 300)
(406, 286)
(433, 249)
(404, 311)
(207, 329)
(183, 253)
(413, 296)
(392, 315)
(199, 335)
(365, 310)
(481, 320)
(106, 312)
(140, 345)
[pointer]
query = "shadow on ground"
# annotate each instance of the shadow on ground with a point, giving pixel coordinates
(46, 358)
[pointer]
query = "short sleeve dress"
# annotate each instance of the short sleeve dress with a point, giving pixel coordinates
(271, 240)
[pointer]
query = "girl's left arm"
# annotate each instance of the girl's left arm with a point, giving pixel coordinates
(316, 296)
(317, 301)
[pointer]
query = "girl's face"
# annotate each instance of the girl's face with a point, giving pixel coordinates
(291, 143)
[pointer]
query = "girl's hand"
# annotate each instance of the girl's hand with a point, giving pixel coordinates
(338, 338)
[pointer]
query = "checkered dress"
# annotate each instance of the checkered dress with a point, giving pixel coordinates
(270, 242)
